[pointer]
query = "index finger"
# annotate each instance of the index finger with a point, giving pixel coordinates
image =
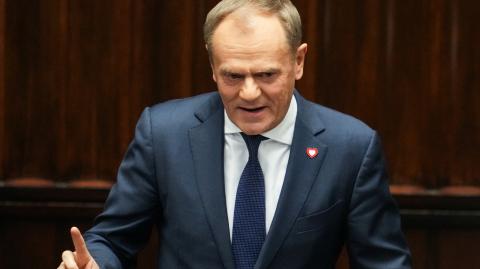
(80, 247)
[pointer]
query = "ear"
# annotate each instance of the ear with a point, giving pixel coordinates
(213, 73)
(300, 60)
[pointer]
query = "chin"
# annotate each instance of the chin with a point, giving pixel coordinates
(251, 133)
(253, 130)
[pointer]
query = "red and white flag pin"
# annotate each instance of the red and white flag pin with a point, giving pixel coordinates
(312, 152)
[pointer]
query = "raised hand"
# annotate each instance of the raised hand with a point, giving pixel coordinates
(80, 258)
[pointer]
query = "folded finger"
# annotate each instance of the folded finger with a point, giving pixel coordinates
(69, 260)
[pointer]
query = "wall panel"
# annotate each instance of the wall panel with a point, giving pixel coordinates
(2, 87)
(457, 246)
(465, 94)
(36, 221)
(75, 76)
(389, 63)
(94, 60)
(33, 78)
(80, 72)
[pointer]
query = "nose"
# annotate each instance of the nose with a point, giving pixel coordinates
(250, 90)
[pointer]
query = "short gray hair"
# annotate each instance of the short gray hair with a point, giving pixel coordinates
(286, 12)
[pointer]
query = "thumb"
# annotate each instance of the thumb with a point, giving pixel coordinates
(82, 256)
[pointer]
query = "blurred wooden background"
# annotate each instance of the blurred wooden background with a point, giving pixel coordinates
(75, 75)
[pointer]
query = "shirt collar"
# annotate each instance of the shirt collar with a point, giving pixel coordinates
(282, 133)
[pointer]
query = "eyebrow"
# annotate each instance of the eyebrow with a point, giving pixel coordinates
(268, 70)
(227, 71)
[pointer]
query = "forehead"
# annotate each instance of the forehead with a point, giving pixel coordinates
(249, 32)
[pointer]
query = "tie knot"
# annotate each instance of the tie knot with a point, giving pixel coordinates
(253, 142)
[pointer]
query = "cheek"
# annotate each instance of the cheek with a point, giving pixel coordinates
(227, 93)
(279, 95)
(283, 103)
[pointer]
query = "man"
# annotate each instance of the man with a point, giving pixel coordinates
(253, 176)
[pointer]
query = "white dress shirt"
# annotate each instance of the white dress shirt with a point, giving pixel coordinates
(273, 156)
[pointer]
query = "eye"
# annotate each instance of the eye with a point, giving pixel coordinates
(234, 76)
(266, 74)
(230, 78)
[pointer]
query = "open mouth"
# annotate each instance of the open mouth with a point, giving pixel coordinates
(253, 110)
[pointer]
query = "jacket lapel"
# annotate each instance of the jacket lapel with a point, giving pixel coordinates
(300, 175)
(207, 143)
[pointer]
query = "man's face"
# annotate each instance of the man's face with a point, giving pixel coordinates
(254, 69)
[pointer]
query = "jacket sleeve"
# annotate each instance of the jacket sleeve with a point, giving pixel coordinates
(132, 206)
(375, 238)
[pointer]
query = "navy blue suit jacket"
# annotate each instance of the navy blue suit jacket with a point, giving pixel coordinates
(172, 176)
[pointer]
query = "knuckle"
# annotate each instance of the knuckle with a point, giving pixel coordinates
(65, 254)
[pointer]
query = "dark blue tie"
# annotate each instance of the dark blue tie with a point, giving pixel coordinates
(249, 216)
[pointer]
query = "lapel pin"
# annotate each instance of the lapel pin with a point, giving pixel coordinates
(312, 152)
